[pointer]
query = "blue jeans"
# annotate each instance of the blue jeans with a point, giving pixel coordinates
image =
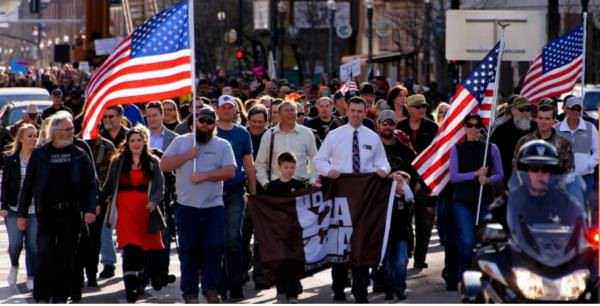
(395, 262)
(233, 265)
(201, 236)
(16, 238)
(464, 220)
(107, 246)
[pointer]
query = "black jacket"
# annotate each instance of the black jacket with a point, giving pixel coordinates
(506, 136)
(83, 180)
(425, 134)
(11, 181)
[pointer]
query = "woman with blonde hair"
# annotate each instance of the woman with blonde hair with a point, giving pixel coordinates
(13, 176)
(136, 186)
(440, 112)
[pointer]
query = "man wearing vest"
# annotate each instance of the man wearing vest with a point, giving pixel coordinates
(584, 140)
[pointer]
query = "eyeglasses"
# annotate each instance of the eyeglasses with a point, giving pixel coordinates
(576, 108)
(536, 169)
(388, 122)
(472, 125)
(525, 109)
(109, 116)
(420, 106)
(69, 129)
(208, 121)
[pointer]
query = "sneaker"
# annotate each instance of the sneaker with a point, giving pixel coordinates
(281, 299)
(211, 296)
(421, 265)
(29, 283)
(12, 276)
(108, 272)
(190, 299)
(292, 300)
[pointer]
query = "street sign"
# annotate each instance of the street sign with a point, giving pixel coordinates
(106, 46)
(350, 70)
(470, 34)
(344, 31)
(261, 14)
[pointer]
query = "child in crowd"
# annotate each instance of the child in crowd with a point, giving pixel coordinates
(288, 289)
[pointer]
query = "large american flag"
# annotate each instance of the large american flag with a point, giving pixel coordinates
(474, 95)
(153, 63)
(556, 70)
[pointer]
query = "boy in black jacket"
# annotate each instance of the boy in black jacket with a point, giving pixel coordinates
(287, 289)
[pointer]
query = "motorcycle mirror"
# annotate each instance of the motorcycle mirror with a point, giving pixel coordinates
(494, 233)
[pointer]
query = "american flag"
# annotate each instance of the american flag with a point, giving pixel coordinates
(473, 95)
(153, 63)
(556, 70)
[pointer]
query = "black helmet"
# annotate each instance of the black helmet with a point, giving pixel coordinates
(537, 153)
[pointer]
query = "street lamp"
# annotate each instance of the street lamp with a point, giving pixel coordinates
(369, 5)
(282, 9)
(331, 7)
(221, 16)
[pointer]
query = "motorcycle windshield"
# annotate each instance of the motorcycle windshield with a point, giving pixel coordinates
(544, 221)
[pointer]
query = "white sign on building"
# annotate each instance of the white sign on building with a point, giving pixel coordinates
(261, 14)
(313, 14)
(350, 70)
(470, 34)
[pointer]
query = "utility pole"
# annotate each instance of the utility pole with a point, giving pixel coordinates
(427, 42)
(553, 19)
(369, 5)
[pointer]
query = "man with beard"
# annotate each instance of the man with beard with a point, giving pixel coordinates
(201, 166)
(60, 179)
(506, 135)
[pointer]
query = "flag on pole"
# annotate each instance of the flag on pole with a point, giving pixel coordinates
(153, 63)
(556, 69)
(474, 95)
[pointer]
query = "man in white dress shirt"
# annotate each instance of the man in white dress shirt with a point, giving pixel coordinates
(352, 148)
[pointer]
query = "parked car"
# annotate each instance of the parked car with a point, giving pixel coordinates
(10, 94)
(14, 111)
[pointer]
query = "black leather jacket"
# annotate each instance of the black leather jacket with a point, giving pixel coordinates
(11, 181)
(83, 180)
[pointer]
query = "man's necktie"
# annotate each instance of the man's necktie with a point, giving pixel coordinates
(355, 153)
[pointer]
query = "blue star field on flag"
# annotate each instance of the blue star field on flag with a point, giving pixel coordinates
(563, 50)
(166, 32)
(485, 73)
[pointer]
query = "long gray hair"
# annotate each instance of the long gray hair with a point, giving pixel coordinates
(53, 124)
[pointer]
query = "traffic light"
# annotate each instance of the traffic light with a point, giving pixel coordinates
(34, 6)
(239, 54)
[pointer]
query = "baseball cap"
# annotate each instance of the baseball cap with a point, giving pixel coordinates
(520, 101)
(207, 112)
(225, 99)
(382, 105)
(574, 101)
(415, 100)
(31, 109)
(387, 115)
(57, 92)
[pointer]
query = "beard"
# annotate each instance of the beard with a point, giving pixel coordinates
(203, 137)
(62, 143)
(386, 134)
(522, 124)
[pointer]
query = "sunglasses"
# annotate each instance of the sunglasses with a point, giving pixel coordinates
(472, 125)
(32, 115)
(208, 121)
(388, 122)
(536, 169)
(109, 116)
(575, 108)
(420, 106)
(525, 109)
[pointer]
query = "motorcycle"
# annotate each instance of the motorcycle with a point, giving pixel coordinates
(542, 251)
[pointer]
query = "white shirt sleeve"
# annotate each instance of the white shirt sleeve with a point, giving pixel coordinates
(262, 158)
(321, 160)
(312, 152)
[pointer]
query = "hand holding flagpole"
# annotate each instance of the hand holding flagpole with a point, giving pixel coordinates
(493, 113)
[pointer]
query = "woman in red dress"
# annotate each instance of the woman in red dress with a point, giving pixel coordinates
(135, 183)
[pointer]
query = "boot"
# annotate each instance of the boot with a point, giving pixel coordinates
(108, 272)
(131, 287)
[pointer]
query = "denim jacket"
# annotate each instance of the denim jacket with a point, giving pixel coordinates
(83, 180)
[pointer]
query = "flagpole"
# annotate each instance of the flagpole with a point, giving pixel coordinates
(191, 33)
(584, 54)
(492, 114)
